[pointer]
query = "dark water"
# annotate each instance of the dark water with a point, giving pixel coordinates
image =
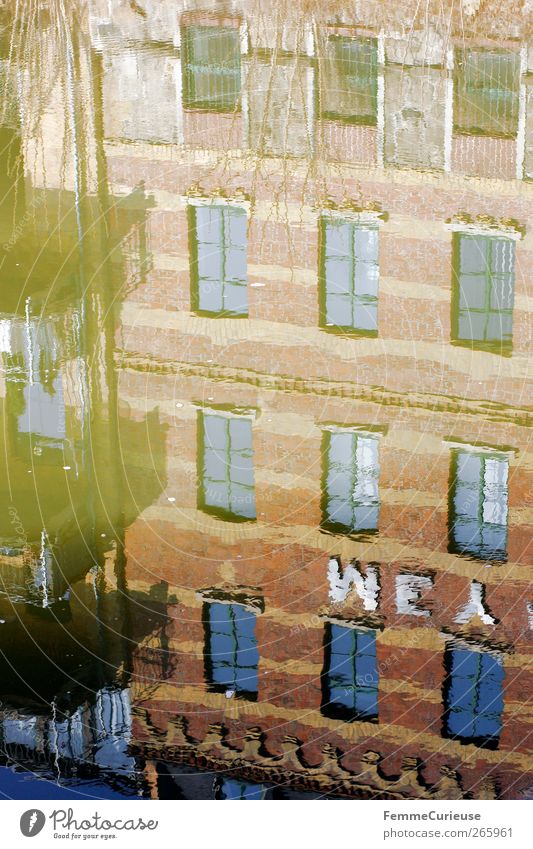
(265, 388)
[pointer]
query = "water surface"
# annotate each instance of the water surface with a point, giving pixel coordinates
(265, 388)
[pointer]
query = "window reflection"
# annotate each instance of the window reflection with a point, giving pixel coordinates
(351, 482)
(211, 68)
(218, 260)
(415, 116)
(349, 80)
(232, 657)
(349, 276)
(484, 278)
(486, 92)
(34, 383)
(478, 504)
(350, 678)
(226, 466)
(473, 696)
(137, 79)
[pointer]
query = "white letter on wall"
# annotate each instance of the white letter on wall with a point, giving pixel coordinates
(341, 582)
(475, 606)
(409, 589)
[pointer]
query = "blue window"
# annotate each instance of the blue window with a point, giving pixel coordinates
(351, 479)
(211, 68)
(233, 657)
(350, 679)
(219, 280)
(478, 505)
(473, 696)
(233, 788)
(226, 485)
(484, 277)
(349, 276)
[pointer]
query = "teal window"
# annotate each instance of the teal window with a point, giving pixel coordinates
(473, 696)
(349, 276)
(478, 505)
(226, 473)
(351, 482)
(350, 80)
(211, 68)
(218, 260)
(483, 298)
(486, 86)
(350, 678)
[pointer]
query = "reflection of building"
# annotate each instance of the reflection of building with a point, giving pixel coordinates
(63, 593)
(66, 710)
(346, 314)
(348, 103)
(421, 97)
(411, 630)
(58, 309)
(94, 734)
(339, 250)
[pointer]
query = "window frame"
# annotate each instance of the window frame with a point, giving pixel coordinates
(460, 90)
(224, 209)
(498, 346)
(189, 100)
(210, 509)
(453, 546)
(337, 710)
(366, 120)
(250, 694)
(481, 740)
(357, 301)
(327, 523)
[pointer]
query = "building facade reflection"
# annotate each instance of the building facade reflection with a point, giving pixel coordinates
(311, 335)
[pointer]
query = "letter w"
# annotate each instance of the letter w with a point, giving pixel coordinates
(341, 581)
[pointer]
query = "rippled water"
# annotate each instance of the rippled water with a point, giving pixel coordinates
(265, 376)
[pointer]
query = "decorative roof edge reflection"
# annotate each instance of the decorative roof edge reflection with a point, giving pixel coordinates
(196, 195)
(254, 761)
(226, 593)
(486, 225)
(456, 442)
